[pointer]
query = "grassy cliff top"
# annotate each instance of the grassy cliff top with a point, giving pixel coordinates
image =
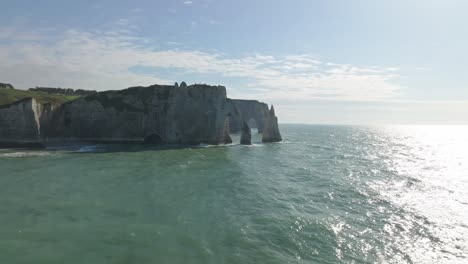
(8, 96)
(44, 95)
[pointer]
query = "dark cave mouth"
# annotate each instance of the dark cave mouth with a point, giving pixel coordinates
(153, 139)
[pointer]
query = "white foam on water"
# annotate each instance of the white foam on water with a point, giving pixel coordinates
(92, 148)
(24, 154)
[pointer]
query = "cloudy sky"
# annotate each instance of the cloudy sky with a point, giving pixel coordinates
(326, 62)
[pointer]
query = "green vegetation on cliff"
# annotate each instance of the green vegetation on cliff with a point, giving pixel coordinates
(8, 96)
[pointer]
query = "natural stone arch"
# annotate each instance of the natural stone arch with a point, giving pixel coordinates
(245, 137)
(249, 109)
(233, 116)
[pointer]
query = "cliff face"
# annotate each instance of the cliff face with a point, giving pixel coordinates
(246, 135)
(271, 131)
(250, 110)
(153, 115)
(156, 114)
(265, 120)
(20, 124)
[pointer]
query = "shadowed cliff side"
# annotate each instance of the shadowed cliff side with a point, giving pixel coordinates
(20, 124)
(271, 131)
(157, 114)
(265, 120)
(249, 110)
(246, 136)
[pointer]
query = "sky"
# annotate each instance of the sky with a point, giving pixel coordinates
(318, 62)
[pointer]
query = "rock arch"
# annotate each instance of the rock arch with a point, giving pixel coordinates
(265, 119)
(249, 109)
(233, 116)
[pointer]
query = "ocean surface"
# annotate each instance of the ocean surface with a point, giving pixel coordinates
(327, 194)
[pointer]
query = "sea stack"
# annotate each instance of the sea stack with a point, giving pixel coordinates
(271, 131)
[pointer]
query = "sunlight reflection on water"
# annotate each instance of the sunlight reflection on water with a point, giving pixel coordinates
(432, 167)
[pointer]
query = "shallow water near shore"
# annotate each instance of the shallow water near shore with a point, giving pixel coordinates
(327, 194)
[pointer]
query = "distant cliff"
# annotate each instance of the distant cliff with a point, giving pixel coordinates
(252, 112)
(256, 115)
(157, 114)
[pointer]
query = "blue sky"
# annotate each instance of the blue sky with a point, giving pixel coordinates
(345, 62)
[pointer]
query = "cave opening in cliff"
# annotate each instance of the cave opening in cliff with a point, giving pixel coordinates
(153, 139)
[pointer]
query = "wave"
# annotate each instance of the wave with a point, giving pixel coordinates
(24, 154)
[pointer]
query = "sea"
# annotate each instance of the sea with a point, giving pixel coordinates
(326, 194)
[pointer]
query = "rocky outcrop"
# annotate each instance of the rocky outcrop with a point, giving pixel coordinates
(253, 111)
(271, 131)
(157, 114)
(20, 124)
(246, 135)
(250, 110)
(227, 137)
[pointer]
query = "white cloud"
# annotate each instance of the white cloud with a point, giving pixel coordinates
(137, 10)
(188, 2)
(102, 61)
(123, 22)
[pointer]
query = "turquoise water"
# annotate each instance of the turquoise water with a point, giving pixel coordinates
(327, 194)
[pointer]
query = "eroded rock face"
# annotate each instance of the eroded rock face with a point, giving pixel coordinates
(151, 115)
(266, 120)
(155, 114)
(249, 110)
(20, 124)
(246, 136)
(271, 131)
(227, 138)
